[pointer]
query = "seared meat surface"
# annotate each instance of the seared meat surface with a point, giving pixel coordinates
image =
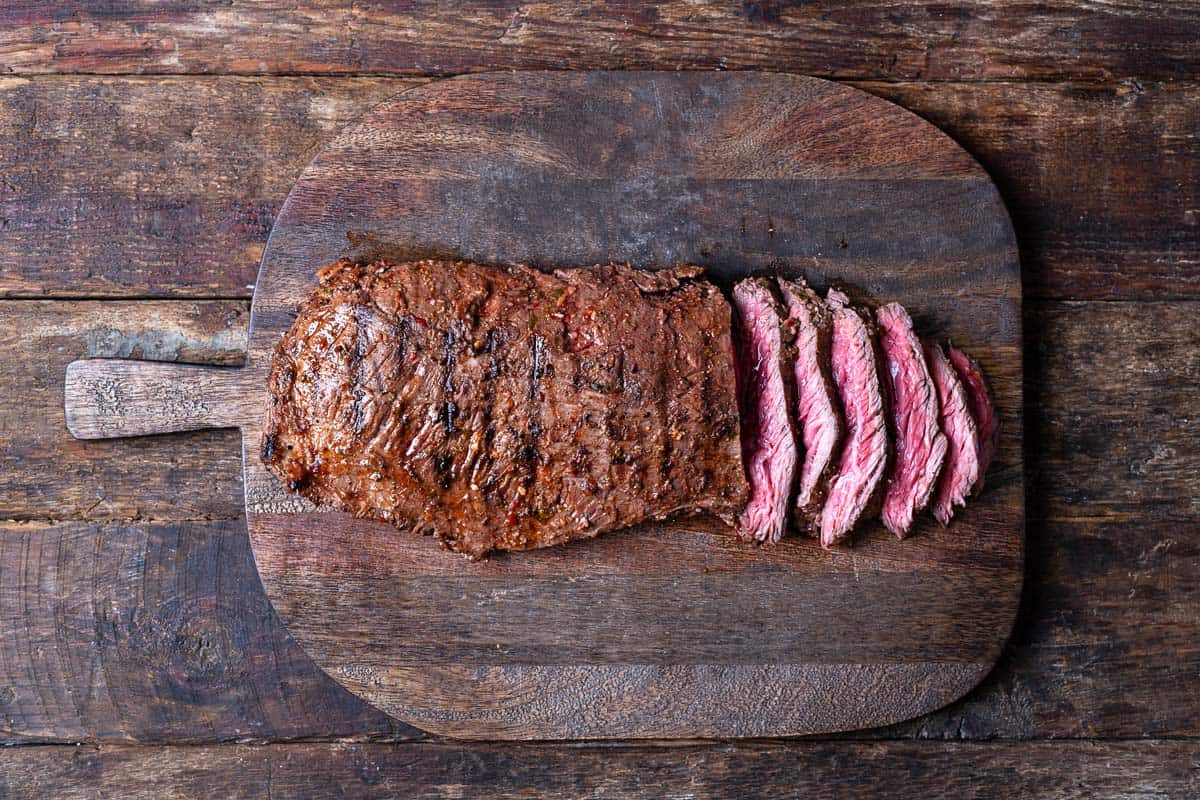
(508, 408)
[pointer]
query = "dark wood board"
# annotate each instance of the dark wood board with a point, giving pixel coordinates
(737, 172)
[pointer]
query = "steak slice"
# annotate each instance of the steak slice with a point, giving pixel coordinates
(764, 356)
(507, 409)
(817, 411)
(979, 402)
(920, 447)
(856, 490)
(961, 472)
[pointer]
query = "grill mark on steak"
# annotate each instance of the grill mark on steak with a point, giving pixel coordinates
(667, 409)
(602, 451)
(920, 446)
(481, 425)
(817, 411)
(979, 402)
(528, 457)
(768, 438)
(961, 472)
(388, 374)
(449, 359)
(857, 488)
(360, 346)
(537, 365)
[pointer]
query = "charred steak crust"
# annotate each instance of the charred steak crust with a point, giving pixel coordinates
(919, 445)
(508, 408)
(763, 347)
(856, 491)
(818, 414)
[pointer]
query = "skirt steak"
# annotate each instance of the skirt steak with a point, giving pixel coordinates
(920, 447)
(961, 473)
(857, 489)
(764, 370)
(818, 415)
(508, 408)
(979, 401)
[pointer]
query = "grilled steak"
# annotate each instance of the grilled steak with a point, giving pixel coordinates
(506, 409)
(961, 471)
(817, 413)
(920, 447)
(764, 356)
(857, 488)
(979, 402)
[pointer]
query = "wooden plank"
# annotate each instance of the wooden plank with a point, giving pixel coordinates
(155, 187)
(120, 187)
(900, 770)
(749, 617)
(884, 40)
(50, 475)
(1112, 414)
(1111, 616)
(152, 633)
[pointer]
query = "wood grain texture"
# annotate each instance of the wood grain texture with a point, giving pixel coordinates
(1100, 178)
(155, 187)
(900, 770)
(49, 475)
(168, 187)
(877, 40)
(1103, 646)
(154, 632)
(735, 172)
(1103, 182)
(110, 398)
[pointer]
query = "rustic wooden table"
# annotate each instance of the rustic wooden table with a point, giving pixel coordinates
(143, 153)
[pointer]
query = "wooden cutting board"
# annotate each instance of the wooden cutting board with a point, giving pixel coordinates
(668, 630)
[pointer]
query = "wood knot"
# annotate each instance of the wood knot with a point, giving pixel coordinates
(184, 641)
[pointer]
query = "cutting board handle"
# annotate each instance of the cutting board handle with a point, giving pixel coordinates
(106, 398)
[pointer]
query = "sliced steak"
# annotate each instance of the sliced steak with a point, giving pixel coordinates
(979, 401)
(764, 356)
(507, 409)
(920, 447)
(961, 471)
(817, 412)
(857, 487)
